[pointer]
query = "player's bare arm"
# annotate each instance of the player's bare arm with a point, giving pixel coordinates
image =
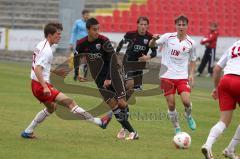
(152, 42)
(216, 78)
(144, 58)
(38, 72)
(107, 83)
(191, 72)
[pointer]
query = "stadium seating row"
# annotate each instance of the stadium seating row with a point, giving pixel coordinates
(163, 12)
(26, 14)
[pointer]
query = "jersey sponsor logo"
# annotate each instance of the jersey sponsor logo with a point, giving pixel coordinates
(139, 47)
(93, 57)
(98, 46)
(175, 52)
(145, 41)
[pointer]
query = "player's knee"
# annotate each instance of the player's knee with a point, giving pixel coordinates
(112, 103)
(187, 103)
(129, 84)
(171, 104)
(122, 103)
(226, 121)
(68, 102)
(171, 108)
(51, 109)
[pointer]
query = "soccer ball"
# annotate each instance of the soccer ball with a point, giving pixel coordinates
(182, 140)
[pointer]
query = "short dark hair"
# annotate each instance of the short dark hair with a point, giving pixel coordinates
(214, 24)
(142, 19)
(181, 18)
(90, 22)
(52, 28)
(85, 11)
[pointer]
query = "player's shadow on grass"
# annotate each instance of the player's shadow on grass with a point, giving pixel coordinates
(62, 70)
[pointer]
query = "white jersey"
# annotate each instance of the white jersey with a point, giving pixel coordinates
(42, 56)
(230, 60)
(176, 56)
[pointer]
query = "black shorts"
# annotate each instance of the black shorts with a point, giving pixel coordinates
(109, 93)
(131, 75)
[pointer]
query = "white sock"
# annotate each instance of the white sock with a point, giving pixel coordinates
(85, 115)
(235, 140)
(173, 115)
(188, 111)
(81, 68)
(215, 132)
(37, 120)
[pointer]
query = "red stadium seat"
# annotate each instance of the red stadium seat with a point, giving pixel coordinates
(132, 26)
(116, 14)
(159, 29)
(125, 14)
(100, 19)
(163, 12)
(105, 27)
(108, 19)
(142, 8)
(134, 8)
(124, 27)
(115, 27)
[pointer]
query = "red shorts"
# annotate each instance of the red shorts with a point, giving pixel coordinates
(169, 86)
(37, 91)
(228, 92)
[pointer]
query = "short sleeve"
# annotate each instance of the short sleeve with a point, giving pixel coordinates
(163, 39)
(43, 60)
(223, 60)
(193, 53)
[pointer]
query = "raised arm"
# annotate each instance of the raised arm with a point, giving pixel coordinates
(150, 56)
(152, 42)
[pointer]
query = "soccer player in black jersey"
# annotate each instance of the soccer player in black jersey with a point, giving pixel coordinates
(105, 70)
(137, 51)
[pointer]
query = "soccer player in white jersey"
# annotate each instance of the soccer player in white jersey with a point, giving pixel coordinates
(227, 91)
(44, 91)
(178, 56)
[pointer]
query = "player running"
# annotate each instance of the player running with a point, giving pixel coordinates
(137, 50)
(227, 91)
(105, 70)
(44, 91)
(179, 56)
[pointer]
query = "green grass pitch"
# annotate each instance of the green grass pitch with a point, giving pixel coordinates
(75, 139)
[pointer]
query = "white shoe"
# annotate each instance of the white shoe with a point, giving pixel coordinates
(207, 152)
(197, 74)
(230, 154)
(122, 133)
(209, 75)
(132, 136)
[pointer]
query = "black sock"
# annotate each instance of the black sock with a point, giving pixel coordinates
(122, 117)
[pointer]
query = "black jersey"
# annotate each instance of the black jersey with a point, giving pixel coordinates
(101, 60)
(137, 45)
